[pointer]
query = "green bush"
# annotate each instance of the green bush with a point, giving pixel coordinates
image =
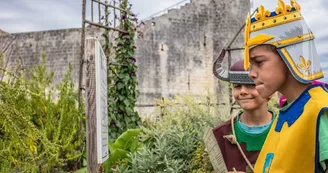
(174, 142)
(39, 122)
(124, 144)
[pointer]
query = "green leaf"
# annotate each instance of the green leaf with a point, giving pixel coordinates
(121, 76)
(120, 85)
(127, 120)
(122, 107)
(124, 138)
(117, 154)
(131, 53)
(126, 102)
(118, 124)
(82, 170)
(126, 78)
(121, 97)
(134, 145)
(129, 111)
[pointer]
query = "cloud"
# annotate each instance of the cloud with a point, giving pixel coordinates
(6, 14)
(23, 26)
(324, 4)
(145, 8)
(324, 66)
(324, 59)
(36, 15)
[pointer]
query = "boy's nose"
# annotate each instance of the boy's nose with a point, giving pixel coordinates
(252, 73)
(243, 90)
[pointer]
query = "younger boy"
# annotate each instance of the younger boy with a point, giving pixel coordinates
(282, 55)
(241, 138)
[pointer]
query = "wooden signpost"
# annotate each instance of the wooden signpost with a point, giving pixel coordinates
(96, 108)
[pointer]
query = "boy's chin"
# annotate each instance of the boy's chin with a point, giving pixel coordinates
(263, 92)
(266, 94)
(248, 107)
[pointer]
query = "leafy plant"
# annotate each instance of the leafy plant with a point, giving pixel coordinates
(126, 143)
(173, 143)
(39, 121)
(201, 162)
(123, 91)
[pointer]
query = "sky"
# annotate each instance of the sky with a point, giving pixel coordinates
(39, 15)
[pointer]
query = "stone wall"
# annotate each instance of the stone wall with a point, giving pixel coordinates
(178, 49)
(175, 56)
(60, 46)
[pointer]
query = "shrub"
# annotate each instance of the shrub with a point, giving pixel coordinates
(174, 142)
(37, 133)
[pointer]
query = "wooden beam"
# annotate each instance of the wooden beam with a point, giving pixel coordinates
(81, 74)
(92, 11)
(99, 13)
(105, 27)
(237, 48)
(114, 15)
(92, 162)
(112, 6)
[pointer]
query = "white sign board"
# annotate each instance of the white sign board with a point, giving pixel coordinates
(214, 151)
(101, 103)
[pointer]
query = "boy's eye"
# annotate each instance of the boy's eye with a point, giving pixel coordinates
(258, 62)
(251, 85)
(236, 85)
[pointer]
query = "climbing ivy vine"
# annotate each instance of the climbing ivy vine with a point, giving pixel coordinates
(123, 84)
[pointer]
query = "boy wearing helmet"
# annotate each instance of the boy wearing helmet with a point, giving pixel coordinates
(241, 138)
(281, 55)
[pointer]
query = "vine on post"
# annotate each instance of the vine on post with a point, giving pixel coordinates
(123, 91)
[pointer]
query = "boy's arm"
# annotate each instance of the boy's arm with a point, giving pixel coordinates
(323, 141)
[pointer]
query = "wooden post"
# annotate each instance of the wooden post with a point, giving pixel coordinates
(82, 52)
(81, 74)
(92, 164)
(99, 13)
(91, 11)
(114, 14)
(107, 47)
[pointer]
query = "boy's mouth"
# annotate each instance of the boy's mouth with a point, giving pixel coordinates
(246, 98)
(258, 83)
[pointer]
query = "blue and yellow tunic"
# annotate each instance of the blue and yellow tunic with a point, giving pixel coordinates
(292, 144)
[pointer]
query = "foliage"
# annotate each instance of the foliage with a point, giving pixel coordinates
(82, 170)
(173, 143)
(124, 144)
(122, 81)
(38, 134)
(201, 162)
(273, 103)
